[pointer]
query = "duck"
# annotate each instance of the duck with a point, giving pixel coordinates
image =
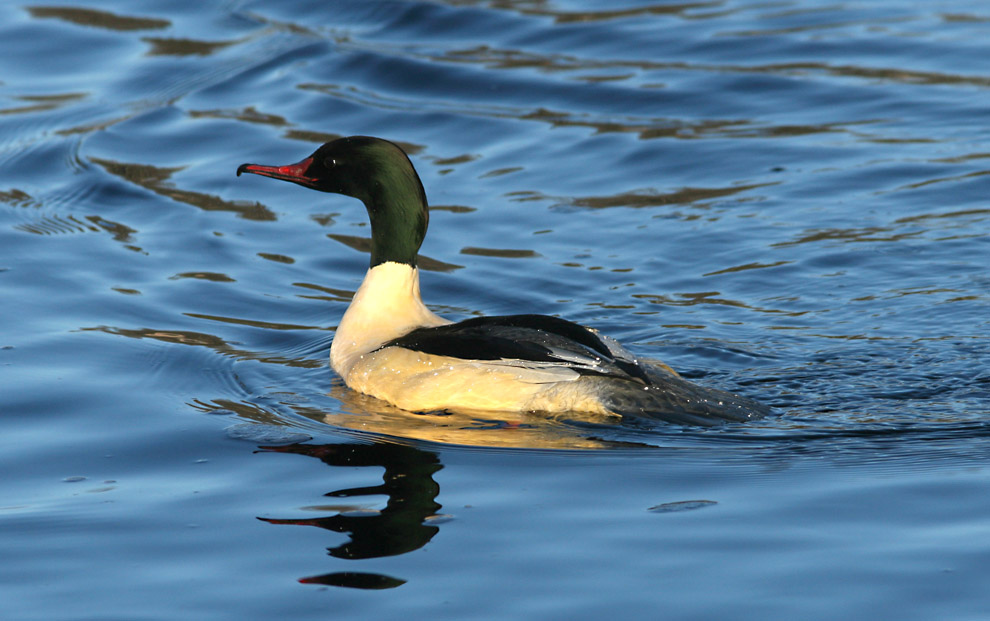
(391, 346)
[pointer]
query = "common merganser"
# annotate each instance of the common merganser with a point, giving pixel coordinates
(391, 346)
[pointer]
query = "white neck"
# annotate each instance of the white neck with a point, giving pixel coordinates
(386, 306)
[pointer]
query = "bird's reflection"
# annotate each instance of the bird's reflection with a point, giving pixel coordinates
(402, 526)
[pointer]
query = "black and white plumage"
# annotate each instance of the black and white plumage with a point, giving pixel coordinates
(529, 339)
(391, 346)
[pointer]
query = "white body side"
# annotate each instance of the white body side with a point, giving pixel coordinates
(388, 305)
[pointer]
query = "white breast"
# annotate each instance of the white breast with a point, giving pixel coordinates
(386, 306)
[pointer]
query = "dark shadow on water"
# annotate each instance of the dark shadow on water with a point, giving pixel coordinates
(401, 527)
(355, 580)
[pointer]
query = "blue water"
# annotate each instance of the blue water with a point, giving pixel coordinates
(783, 199)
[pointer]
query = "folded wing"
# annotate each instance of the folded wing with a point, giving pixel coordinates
(538, 341)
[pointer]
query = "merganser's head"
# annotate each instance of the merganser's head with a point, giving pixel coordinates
(379, 174)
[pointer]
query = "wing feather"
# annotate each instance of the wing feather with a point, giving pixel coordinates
(537, 340)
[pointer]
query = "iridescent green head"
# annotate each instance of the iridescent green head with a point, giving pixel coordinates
(379, 174)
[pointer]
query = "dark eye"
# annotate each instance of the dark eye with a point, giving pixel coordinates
(329, 162)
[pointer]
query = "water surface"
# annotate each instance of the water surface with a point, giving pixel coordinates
(787, 200)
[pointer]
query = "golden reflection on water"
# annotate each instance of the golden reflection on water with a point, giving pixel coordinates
(370, 417)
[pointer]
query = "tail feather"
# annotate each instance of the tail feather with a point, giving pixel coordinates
(672, 399)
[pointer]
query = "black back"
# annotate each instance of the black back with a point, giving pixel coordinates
(530, 338)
